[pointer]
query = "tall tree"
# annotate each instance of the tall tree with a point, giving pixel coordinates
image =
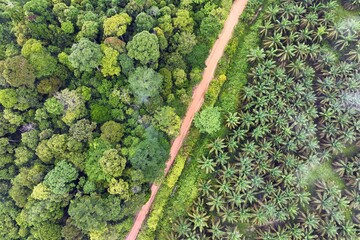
(144, 47)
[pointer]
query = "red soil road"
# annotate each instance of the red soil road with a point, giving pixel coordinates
(197, 100)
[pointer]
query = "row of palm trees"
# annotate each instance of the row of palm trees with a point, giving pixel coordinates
(295, 113)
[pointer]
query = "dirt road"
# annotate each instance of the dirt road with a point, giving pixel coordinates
(195, 105)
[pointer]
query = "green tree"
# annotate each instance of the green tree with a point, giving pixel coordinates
(112, 163)
(85, 55)
(91, 213)
(73, 103)
(82, 130)
(59, 180)
(145, 83)
(168, 121)
(92, 166)
(144, 47)
(112, 131)
(8, 97)
(119, 187)
(109, 65)
(17, 72)
(184, 42)
(208, 120)
(210, 28)
(144, 22)
(32, 46)
(89, 29)
(116, 25)
(183, 21)
(150, 154)
(8, 227)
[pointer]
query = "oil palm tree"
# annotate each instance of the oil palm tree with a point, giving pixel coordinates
(351, 4)
(207, 164)
(199, 219)
(217, 146)
(182, 227)
(216, 230)
(216, 201)
(228, 215)
(310, 221)
(328, 230)
(235, 199)
(256, 55)
(222, 159)
(206, 187)
(266, 28)
(233, 234)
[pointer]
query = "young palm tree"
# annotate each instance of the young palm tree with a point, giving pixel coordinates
(239, 134)
(296, 232)
(217, 146)
(241, 183)
(182, 227)
(349, 231)
(271, 13)
(199, 219)
(233, 234)
(228, 215)
(222, 159)
(207, 164)
(354, 54)
(266, 28)
(206, 187)
(216, 230)
(235, 199)
(328, 230)
(216, 202)
(256, 55)
(232, 120)
(309, 220)
(273, 41)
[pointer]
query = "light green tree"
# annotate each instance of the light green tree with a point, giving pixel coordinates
(109, 64)
(144, 47)
(116, 25)
(208, 120)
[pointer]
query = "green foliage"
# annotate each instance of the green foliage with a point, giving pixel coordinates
(112, 131)
(59, 180)
(208, 120)
(54, 106)
(183, 21)
(119, 187)
(112, 163)
(8, 97)
(144, 47)
(18, 72)
(49, 85)
(8, 226)
(84, 63)
(100, 113)
(43, 64)
(82, 130)
(109, 62)
(168, 121)
(151, 154)
(73, 103)
(116, 25)
(92, 165)
(144, 22)
(32, 46)
(210, 28)
(67, 27)
(91, 213)
(145, 84)
(85, 55)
